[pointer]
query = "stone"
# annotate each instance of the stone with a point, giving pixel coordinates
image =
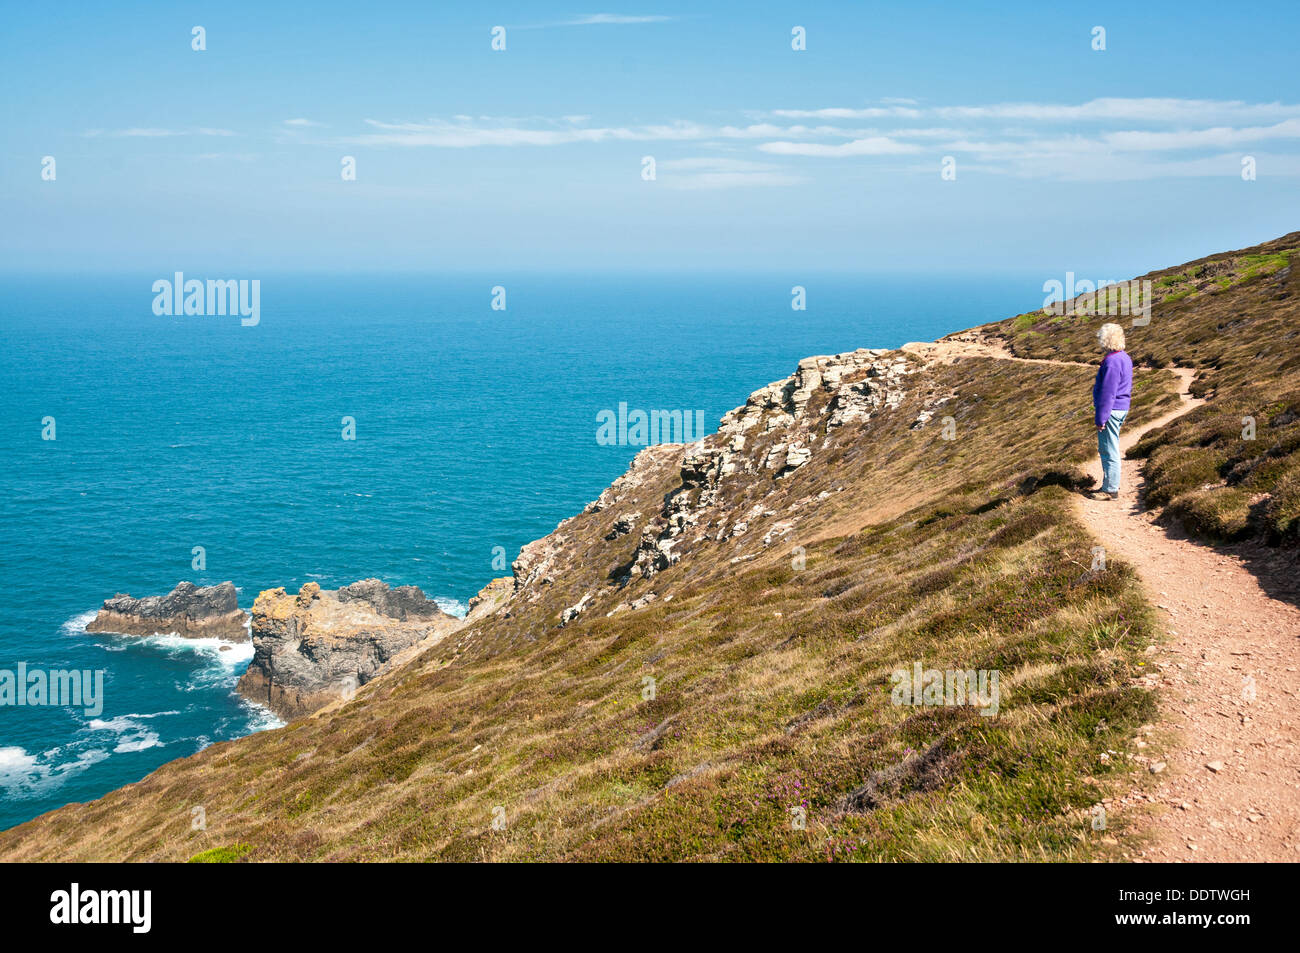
(190, 611)
(318, 646)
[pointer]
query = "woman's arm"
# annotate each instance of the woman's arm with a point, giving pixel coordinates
(1103, 392)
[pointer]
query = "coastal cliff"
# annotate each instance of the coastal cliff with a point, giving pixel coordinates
(190, 611)
(319, 646)
(702, 664)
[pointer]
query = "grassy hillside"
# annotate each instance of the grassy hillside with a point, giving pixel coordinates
(1235, 317)
(771, 648)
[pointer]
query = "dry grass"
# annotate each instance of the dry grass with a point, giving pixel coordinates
(772, 683)
(1229, 470)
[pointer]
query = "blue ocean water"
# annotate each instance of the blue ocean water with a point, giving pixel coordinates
(475, 433)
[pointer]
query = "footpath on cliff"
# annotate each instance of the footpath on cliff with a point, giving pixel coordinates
(1227, 754)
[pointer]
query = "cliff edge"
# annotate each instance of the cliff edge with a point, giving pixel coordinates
(319, 646)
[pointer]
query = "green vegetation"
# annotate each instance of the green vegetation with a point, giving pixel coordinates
(221, 855)
(767, 730)
(1228, 469)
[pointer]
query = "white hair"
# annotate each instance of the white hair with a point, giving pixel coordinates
(1111, 337)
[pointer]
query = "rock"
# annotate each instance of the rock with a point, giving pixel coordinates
(782, 528)
(796, 457)
(401, 603)
(1155, 767)
(491, 597)
(190, 611)
(307, 593)
(571, 613)
(1215, 766)
(773, 434)
(318, 646)
(623, 525)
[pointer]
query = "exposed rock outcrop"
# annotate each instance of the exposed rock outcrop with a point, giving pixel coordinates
(725, 486)
(319, 646)
(404, 602)
(779, 429)
(190, 611)
(491, 598)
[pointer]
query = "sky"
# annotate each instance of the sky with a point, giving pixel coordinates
(1064, 157)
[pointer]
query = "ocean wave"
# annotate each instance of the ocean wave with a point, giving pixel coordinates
(24, 775)
(131, 735)
(260, 718)
(452, 606)
(229, 654)
(77, 624)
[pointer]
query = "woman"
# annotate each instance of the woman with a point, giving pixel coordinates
(1111, 395)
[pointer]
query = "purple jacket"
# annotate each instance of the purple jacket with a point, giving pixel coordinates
(1113, 389)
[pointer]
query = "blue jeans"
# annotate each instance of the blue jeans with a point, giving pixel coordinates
(1108, 446)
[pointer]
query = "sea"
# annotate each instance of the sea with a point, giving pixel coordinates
(415, 428)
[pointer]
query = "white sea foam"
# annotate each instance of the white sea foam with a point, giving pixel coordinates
(229, 654)
(260, 718)
(25, 775)
(77, 624)
(131, 735)
(17, 768)
(452, 606)
(235, 652)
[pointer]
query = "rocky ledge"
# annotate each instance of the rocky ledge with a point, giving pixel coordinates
(318, 646)
(191, 611)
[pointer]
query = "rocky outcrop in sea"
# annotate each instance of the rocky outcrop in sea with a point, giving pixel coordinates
(190, 611)
(319, 646)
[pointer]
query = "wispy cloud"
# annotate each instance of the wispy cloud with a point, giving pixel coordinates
(463, 132)
(599, 19)
(1096, 110)
(1110, 138)
(1102, 139)
(870, 146)
(593, 19)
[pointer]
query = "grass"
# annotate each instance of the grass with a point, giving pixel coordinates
(1226, 470)
(746, 713)
(221, 855)
(772, 683)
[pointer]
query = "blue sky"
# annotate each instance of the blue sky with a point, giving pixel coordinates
(469, 159)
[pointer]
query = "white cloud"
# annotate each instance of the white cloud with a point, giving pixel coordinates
(1109, 138)
(1217, 137)
(870, 146)
(842, 112)
(1148, 109)
(463, 133)
(592, 19)
(1115, 137)
(1117, 108)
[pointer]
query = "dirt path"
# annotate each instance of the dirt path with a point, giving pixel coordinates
(1227, 770)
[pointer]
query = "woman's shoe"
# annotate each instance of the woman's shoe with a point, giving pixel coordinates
(1102, 495)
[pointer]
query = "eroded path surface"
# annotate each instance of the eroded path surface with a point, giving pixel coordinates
(1226, 773)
